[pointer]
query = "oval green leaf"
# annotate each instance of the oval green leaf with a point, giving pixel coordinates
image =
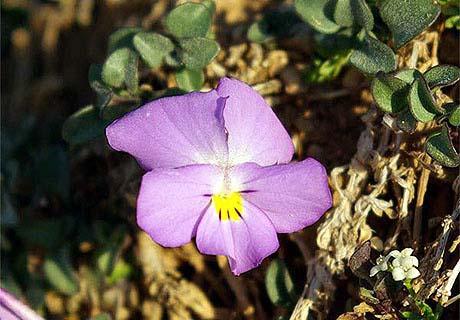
(442, 75)
(362, 14)
(279, 285)
(343, 14)
(258, 32)
(122, 38)
(117, 64)
(407, 75)
(318, 14)
(83, 126)
(421, 101)
(406, 121)
(59, 273)
(408, 18)
(373, 56)
(189, 80)
(189, 20)
(439, 146)
(390, 93)
(103, 92)
(198, 52)
(453, 109)
(152, 47)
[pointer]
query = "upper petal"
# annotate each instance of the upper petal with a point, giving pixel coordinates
(245, 242)
(172, 201)
(173, 131)
(293, 195)
(254, 132)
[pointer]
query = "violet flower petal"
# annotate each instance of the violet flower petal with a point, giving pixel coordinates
(254, 132)
(172, 201)
(13, 309)
(245, 242)
(293, 195)
(173, 131)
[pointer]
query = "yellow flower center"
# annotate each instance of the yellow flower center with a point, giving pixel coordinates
(228, 206)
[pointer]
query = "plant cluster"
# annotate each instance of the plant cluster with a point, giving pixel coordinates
(361, 29)
(186, 47)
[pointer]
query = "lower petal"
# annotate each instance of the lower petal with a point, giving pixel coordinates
(172, 201)
(246, 242)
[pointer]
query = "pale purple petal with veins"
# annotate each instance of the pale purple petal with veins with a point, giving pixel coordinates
(13, 309)
(254, 132)
(173, 131)
(245, 242)
(293, 196)
(172, 201)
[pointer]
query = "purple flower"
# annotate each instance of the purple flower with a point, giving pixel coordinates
(13, 309)
(218, 171)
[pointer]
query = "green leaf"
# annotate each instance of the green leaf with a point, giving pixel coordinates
(343, 14)
(326, 70)
(439, 146)
(132, 73)
(198, 52)
(453, 22)
(341, 42)
(279, 285)
(189, 80)
(453, 110)
(119, 107)
(153, 47)
(104, 94)
(274, 24)
(421, 101)
(408, 75)
(258, 32)
(390, 93)
(108, 255)
(122, 38)
(406, 121)
(348, 13)
(210, 4)
(189, 20)
(121, 271)
(408, 18)
(102, 316)
(83, 126)
(59, 272)
(373, 56)
(120, 63)
(442, 75)
(362, 14)
(318, 14)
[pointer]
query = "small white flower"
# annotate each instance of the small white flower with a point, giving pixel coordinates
(382, 265)
(404, 266)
